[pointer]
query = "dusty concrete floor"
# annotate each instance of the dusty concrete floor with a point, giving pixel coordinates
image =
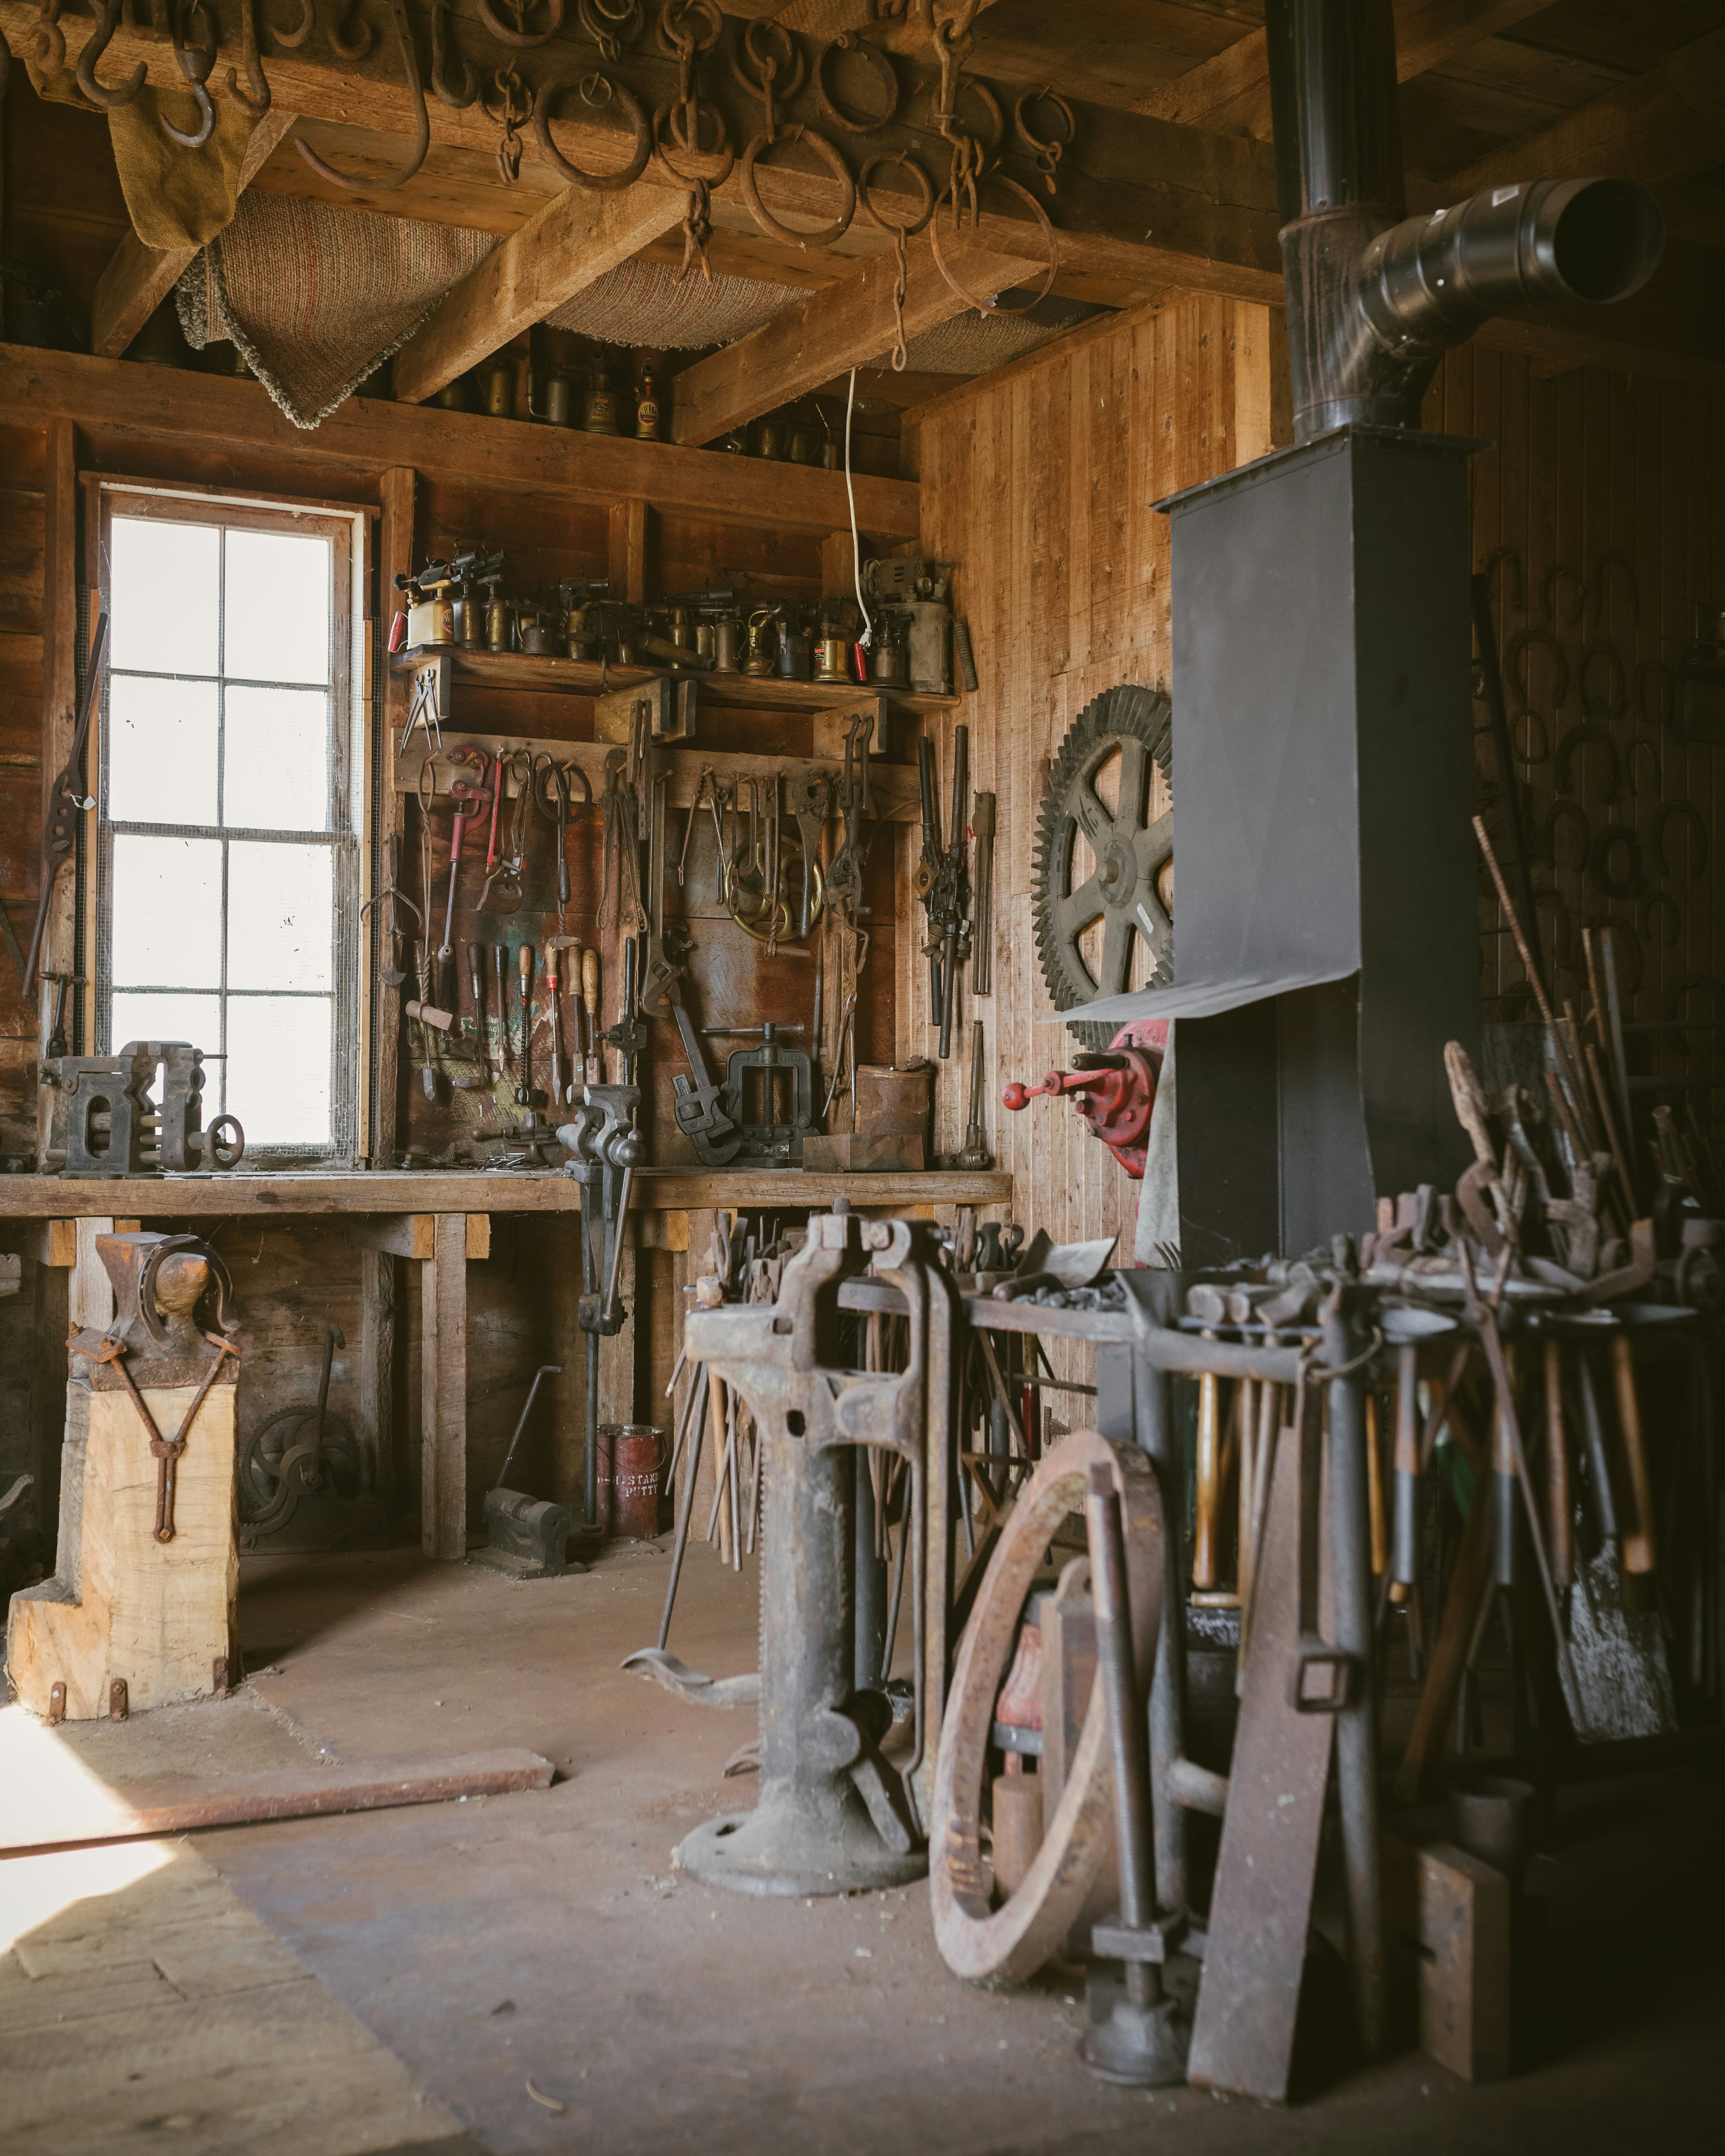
(547, 1936)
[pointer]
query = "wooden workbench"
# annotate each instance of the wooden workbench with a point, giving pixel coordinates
(439, 1220)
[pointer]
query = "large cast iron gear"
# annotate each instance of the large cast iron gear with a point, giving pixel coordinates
(1131, 854)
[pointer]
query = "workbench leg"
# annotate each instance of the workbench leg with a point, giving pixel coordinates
(617, 1355)
(443, 1390)
(377, 1368)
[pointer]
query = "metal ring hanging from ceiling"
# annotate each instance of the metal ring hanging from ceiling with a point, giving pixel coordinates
(421, 122)
(993, 306)
(924, 184)
(610, 29)
(520, 41)
(765, 83)
(675, 40)
(1048, 154)
(723, 147)
(828, 150)
(845, 43)
(110, 100)
(49, 45)
(604, 183)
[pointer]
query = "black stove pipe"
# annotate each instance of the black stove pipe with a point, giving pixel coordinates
(1376, 297)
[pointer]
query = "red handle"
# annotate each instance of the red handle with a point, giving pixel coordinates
(1018, 1095)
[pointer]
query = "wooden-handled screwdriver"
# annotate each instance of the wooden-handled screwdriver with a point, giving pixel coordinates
(476, 982)
(553, 990)
(590, 998)
(524, 1087)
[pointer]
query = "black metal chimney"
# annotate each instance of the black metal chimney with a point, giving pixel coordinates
(1376, 297)
(1326, 944)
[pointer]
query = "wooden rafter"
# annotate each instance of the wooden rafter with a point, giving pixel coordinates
(847, 325)
(1231, 89)
(1663, 126)
(578, 237)
(138, 279)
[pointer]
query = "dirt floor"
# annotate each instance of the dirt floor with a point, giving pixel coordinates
(550, 1938)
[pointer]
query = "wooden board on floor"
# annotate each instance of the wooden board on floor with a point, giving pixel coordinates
(143, 2003)
(94, 1812)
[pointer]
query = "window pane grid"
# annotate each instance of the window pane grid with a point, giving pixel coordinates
(299, 1070)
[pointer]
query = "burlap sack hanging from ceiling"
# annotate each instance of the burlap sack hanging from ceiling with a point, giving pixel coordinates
(641, 302)
(315, 298)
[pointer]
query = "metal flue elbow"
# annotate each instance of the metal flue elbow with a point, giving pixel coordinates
(1430, 281)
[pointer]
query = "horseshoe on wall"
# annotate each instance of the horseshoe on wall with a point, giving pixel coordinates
(1699, 851)
(1565, 812)
(1612, 882)
(1582, 736)
(1644, 924)
(1523, 641)
(1641, 743)
(1596, 707)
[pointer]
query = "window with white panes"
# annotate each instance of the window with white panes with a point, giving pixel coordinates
(230, 808)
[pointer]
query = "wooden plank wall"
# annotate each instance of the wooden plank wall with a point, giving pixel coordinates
(1040, 488)
(1589, 469)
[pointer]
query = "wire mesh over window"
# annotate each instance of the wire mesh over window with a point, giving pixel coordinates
(229, 853)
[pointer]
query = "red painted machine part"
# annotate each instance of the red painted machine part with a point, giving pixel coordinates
(1116, 1103)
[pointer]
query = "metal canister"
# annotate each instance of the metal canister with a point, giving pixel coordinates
(599, 410)
(631, 1463)
(454, 396)
(886, 659)
(499, 625)
(432, 622)
(726, 631)
(796, 652)
(757, 658)
(497, 386)
(772, 439)
(647, 407)
(470, 620)
(896, 1100)
(558, 393)
(542, 635)
(832, 656)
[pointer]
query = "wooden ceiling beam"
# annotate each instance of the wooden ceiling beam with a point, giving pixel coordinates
(1231, 89)
(1664, 125)
(575, 239)
(138, 279)
(848, 325)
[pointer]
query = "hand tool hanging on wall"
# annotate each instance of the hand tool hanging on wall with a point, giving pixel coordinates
(982, 829)
(590, 1004)
(975, 1153)
(461, 792)
(394, 973)
(769, 1140)
(941, 881)
(604, 1150)
(551, 795)
(502, 890)
(505, 1054)
(476, 982)
(627, 1035)
(554, 989)
(523, 1083)
(69, 799)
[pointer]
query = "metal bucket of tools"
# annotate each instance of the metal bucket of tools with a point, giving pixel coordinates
(631, 1471)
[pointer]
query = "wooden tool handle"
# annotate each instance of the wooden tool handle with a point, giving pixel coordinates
(1374, 1491)
(590, 980)
(1556, 1469)
(1638, 1553)
(1209, 1479)
(525, 961)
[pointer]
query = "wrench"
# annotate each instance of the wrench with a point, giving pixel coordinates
(811, 802)
(460, 792)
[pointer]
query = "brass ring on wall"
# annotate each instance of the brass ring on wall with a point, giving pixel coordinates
(844, 43)
(828, 150)
(602, 183)
(992, 306)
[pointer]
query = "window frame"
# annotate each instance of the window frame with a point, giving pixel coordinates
(346, 839)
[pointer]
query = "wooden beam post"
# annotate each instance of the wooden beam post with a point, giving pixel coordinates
(578, 237)
(59, 698)
(138, 279)
(443, 1391)
(846, 325)
(626, 567)
(388, 712)
(378, 1277)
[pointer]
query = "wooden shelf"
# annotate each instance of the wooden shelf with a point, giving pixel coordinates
(549, 1190)
(582, 677)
